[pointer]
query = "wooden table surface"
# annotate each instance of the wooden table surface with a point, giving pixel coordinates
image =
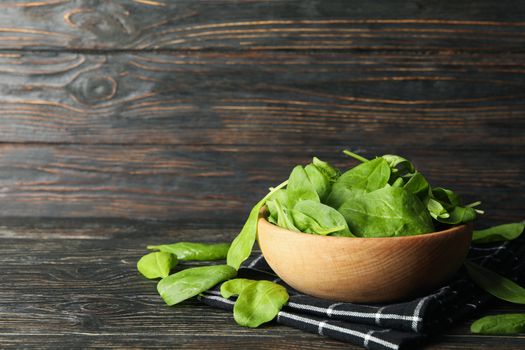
(126, 123)
(73, 284)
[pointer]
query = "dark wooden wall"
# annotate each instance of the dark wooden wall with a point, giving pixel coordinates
(188, 110)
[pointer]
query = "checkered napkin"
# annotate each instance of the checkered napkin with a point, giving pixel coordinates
(387, 326)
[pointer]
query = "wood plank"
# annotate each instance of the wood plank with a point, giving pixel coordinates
(263, 98)
(72, 293)
(220, 183)
(256, 24)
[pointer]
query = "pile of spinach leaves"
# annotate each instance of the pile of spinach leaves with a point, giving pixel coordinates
(382, 197)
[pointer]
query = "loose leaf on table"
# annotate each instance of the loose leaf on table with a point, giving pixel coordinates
(314, 217)
(495, 284)
(242, 245)
(234, 287)
(258, 303)
(190, 282)
(194, 251)
(499, 324)
(387, 212)
(505, 232)
(156, 264)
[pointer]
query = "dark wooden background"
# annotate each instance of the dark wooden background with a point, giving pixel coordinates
(124, 123)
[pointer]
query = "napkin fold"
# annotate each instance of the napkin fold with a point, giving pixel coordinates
(399, 325)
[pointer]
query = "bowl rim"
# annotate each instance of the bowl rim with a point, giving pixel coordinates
(449, 231)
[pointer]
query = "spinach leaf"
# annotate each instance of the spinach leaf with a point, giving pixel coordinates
(242, 245)
(299, 187)
(329, 171)
(369, 176)
(387, 212)
(400, 182)
(458, 215)
(399, 166)
(499, 324)
(320, 182)
(448, 198)
(418, 185)
(157, 264)
(495, 284)
(190, 282)
(279, 213)
(313, 217)
(234, 287)
(258, 303)
(498, 233)
(436, 209)
(194, 251)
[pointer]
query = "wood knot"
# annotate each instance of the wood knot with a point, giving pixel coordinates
(108, 22)
(93, 89)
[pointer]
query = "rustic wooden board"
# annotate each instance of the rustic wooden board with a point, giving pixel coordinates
(438, 100)
(78, 293)
(220, 183)
(278, 24)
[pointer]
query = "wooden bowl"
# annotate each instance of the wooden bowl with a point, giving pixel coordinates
(363, 269)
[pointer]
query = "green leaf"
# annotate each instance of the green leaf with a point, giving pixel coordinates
(436, 209)
(242, 245)
(234, 287)
(314, 217)
(341, 194)
(329, 171)
(418, 185)
(258, 303)
(319, 181)
(499, 324)
(157, 264)
(194, 251)
(366, 177)
(399, 166)
(458, 215)
(280, 214)
(369, 176)
(387, 212)
(190, 282)
(400, 182)
(495, 284)
(505, 232)
(299, 187)
(448, 198)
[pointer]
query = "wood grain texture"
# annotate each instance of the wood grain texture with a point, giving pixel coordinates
(220, 183)
(85, 293)
(364, 270)
(260, 98)
(253, 24)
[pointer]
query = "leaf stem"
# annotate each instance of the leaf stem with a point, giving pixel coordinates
(355, 156)
(472, 205)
